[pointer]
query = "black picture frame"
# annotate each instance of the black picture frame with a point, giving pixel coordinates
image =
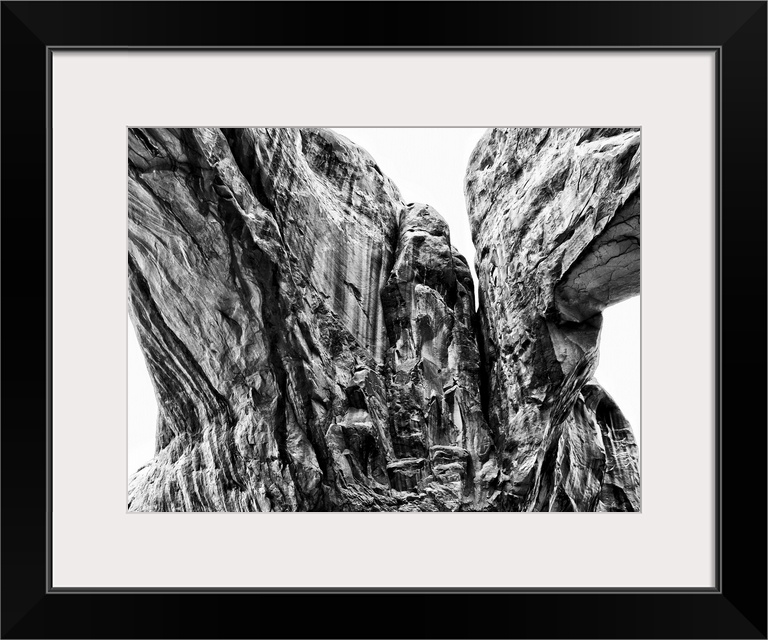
(736, 608)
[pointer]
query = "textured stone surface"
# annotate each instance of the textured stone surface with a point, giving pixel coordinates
(432, 364)
(313, 342)
(258, 265)
(555, 217)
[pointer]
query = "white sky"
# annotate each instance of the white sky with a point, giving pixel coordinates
(428, 166)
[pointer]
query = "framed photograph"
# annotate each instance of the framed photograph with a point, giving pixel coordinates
(393, 313)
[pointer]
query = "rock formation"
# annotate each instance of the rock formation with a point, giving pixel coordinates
(433, 366)
(308, 334)
(313, 341)
(555, 217)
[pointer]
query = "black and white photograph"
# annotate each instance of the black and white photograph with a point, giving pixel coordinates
(384, 319)
(320, 279)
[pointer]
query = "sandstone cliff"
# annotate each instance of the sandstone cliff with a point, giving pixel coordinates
(298, 362)
(555, 217)
(313, 341)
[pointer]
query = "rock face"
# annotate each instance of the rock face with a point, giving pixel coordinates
(555, 217)
(308, 334)
(313, 341)
(433, 365)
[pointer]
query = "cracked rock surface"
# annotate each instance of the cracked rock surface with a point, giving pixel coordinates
(313, 340)
(308, 334)
(555, 218)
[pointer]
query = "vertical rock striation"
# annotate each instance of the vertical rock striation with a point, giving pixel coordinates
(555, 217)
(265, 285)
(433, 365)
(313, 341)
